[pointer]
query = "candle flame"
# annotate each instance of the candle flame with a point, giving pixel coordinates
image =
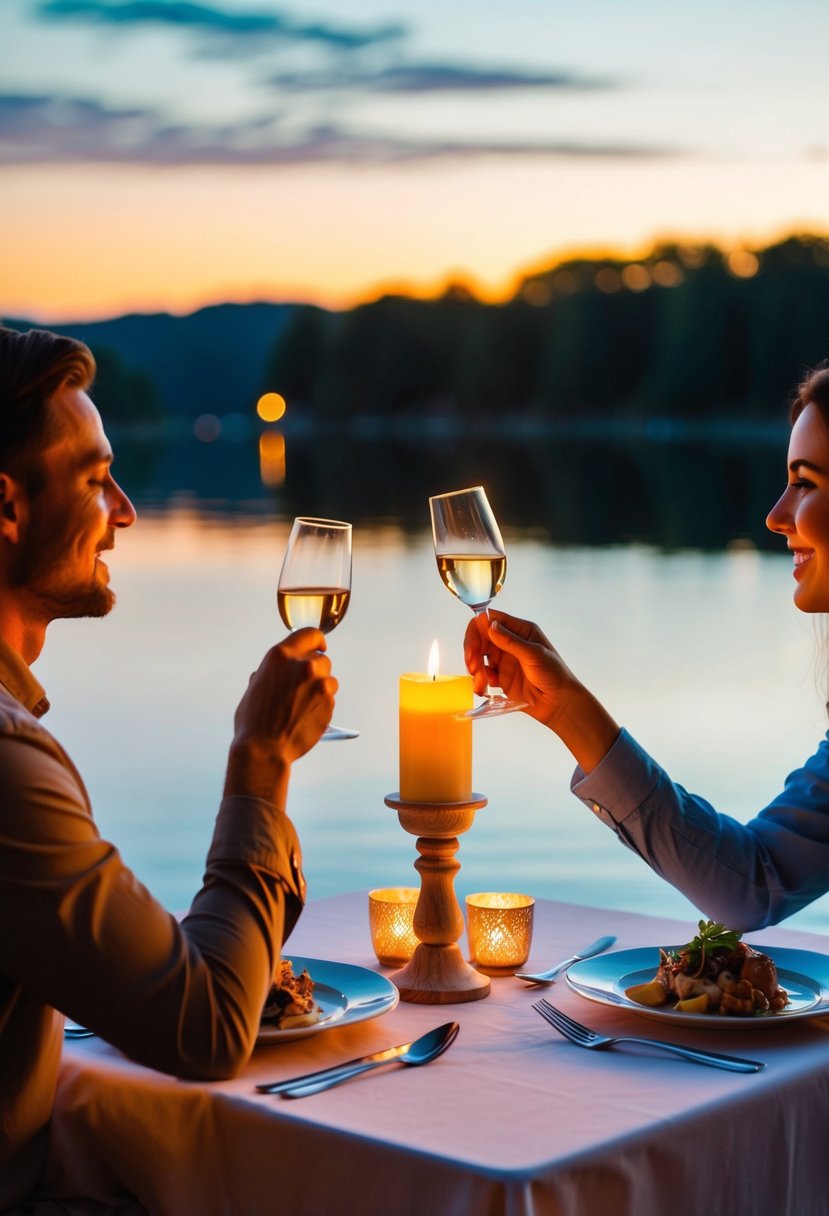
(434, 660)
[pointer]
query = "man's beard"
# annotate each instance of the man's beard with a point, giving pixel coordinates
(97, 601)
(40, 571)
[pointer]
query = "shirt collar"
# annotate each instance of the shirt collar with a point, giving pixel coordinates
(16, 677)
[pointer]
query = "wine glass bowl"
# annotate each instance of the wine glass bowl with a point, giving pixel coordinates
(319, 607)
(475, 580)
(472, 563)
(314, 585)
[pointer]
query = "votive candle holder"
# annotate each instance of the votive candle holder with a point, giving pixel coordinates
(390, 917)
(499, 928)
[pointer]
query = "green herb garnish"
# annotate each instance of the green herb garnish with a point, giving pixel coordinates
(711, 938)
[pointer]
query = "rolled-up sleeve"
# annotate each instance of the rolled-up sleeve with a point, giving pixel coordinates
(747, 875)
(91, 940)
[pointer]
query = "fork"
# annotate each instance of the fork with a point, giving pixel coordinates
(582, 1036)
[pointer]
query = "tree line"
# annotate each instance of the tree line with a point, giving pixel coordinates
(690, 332)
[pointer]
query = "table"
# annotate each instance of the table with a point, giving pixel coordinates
(512, 1121)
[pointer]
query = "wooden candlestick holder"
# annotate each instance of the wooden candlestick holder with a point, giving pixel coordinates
(437, 973)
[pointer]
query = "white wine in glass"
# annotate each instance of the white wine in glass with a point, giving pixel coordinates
(315, 583)
(472, 562)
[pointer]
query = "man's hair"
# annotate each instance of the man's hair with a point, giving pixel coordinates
(33, 366)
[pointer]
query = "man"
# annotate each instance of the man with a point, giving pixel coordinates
(79, 935)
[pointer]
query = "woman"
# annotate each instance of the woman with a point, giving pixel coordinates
(746, 875)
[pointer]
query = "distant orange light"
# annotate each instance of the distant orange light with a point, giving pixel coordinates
(636, 278)
(608, 280)
(667, 274)
(537, 293)
(565, 282)
(692, 256)
(270, 407)
(743, 263)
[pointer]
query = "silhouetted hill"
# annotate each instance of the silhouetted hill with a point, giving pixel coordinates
(212, 361)
(684, 334)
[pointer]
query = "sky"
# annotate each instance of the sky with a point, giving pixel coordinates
(163, 155)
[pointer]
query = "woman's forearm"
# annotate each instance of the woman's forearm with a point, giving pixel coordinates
(585, 727)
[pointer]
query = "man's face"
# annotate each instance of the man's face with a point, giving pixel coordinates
(72, 518)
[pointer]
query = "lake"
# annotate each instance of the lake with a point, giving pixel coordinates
(699, 652)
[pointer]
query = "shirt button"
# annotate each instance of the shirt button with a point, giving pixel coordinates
(296, 866)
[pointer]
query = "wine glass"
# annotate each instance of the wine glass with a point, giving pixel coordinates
(472, 563)
(315, 583)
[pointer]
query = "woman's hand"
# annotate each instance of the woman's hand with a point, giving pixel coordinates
(515, 655)
(522, 661)
(287, 705)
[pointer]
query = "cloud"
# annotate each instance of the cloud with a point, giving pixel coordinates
(46, 129)
(412, 78)
(338, 59)
(248, 31)
(41, 129)
(239, 26)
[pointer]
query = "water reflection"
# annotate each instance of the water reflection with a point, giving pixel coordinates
(272, 459)
(573, 490)
(700, 655)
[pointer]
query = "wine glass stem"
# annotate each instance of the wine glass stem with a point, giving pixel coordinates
(493, 692)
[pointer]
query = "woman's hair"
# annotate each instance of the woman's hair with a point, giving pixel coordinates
(813, 390)
(33, 366)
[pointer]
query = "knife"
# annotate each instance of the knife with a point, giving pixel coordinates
(420, 1051)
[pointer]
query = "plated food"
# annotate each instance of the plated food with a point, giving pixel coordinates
(607, 979)
(715, 972)
(340, 993)
(290, 1002)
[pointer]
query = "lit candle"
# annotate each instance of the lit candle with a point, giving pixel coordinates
(391, 920)
(500, 931)
(435, 745)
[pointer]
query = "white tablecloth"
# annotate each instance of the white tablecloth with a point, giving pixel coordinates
(513, 1120)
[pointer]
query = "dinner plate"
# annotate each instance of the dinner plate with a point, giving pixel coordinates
(803, 973)
(345, 993)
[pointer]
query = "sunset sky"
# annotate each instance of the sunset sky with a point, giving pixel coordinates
(165, 154)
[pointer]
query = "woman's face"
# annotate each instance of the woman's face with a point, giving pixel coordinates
(801, 514)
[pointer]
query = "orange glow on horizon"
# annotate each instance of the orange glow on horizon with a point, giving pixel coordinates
(162, 242)
(521, 281)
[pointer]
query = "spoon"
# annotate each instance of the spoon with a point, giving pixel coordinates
(428, 1047)
(77, 1032)
(548, 977)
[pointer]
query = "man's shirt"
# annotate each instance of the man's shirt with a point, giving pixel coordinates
(81, 936)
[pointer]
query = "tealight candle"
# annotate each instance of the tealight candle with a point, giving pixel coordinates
(500, 931)
(435, 744)
(390, 917)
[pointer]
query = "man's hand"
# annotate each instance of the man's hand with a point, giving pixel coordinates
(286, 707)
